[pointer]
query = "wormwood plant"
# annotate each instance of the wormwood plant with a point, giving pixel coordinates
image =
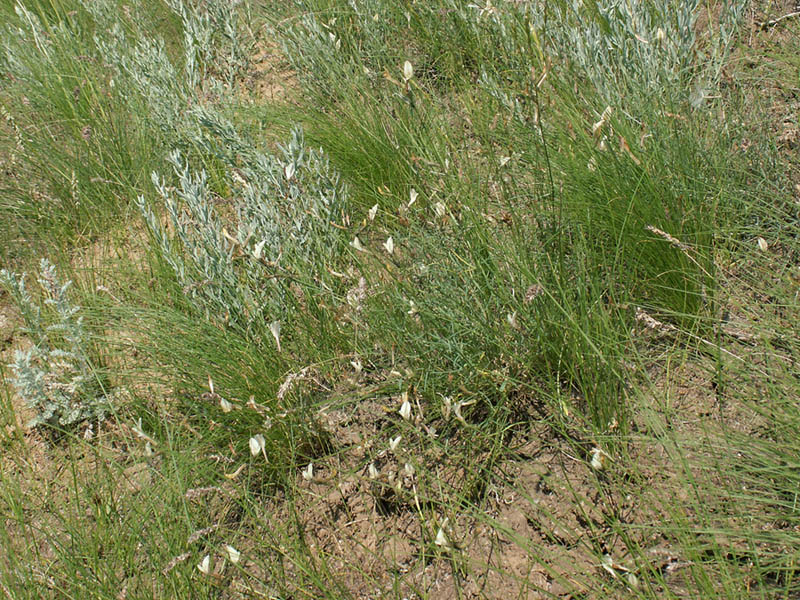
(284, 232)
(55, 375)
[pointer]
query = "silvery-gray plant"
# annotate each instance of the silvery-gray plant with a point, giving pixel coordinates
(213, 47)
(55, 375)
(212, 39)
(283, 230)
(626, 49)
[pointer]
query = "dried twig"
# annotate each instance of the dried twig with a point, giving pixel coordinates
(773, 22)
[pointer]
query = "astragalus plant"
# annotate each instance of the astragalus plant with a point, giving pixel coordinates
(55, 375)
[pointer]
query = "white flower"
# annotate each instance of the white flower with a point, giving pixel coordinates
(597, 128)
(512, 319)
(373, 472)
(225, 405)
(447, 406)
(356, 364)
(393, 444)
(457, 409)
(485, 10)
(372, 212)
(441, 538)
(257, 444)
(275, 330)
(233, 554)
(408, 71)
(389, 245)
(612, 567)
(356, 243)
(308, 472)
(457, 412)
(205, 565)
(440, 209)
(405, 410)
(412, 197)
(608, 564)
(599, 459)
(138, 430)
(257, 250)
(413, 310)
(762, 244)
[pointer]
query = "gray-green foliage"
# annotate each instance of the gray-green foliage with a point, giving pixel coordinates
(646, 48)
(101, 90)
(213, 42)
(621, 48)
(215, 53)
(637, 51)
(55, 375)
(285, 209)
